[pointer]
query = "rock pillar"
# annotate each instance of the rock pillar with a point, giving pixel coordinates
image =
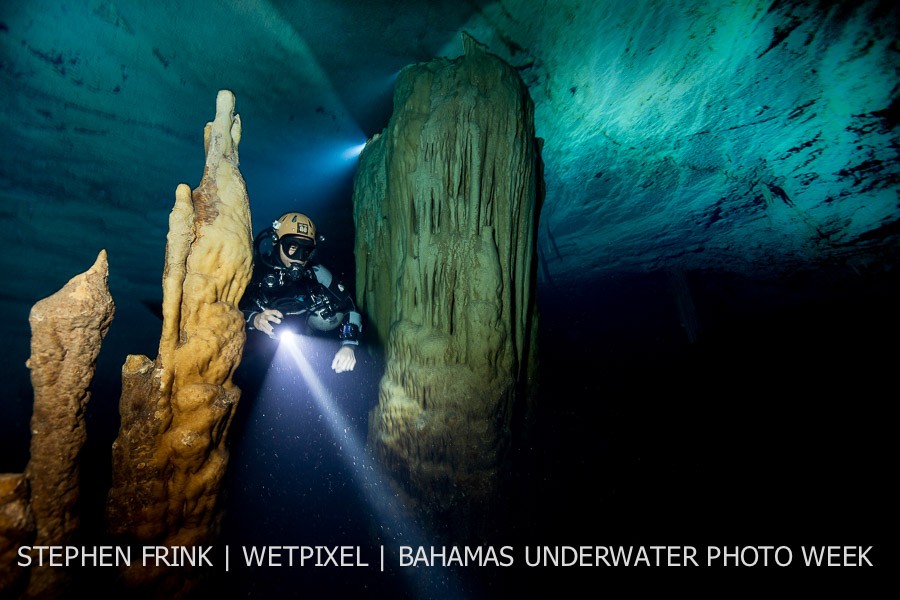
(445, 204)
(41, 506)
(170, 454)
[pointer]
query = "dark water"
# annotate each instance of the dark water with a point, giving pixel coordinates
(771, 428)
(299, 469)
(768, 429)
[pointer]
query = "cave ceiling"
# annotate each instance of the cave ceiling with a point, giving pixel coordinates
(756, 138)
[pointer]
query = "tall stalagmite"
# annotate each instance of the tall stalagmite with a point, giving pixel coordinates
(446, 202)
(67, 329)
(170, 455)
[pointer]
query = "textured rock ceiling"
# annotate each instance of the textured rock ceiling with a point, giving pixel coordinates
(754, 138)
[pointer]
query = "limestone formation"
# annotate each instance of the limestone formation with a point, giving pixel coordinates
(170, 454)
(17, 529)
(67, 329)
(40, 506)
(445, 203)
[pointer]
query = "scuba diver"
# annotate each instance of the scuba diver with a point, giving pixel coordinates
(289, 290)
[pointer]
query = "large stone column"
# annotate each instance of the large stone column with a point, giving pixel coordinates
(445, 203)
(170, 455)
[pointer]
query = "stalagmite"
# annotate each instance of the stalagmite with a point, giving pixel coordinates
(40, 508)
(445, 203)
(170, 455)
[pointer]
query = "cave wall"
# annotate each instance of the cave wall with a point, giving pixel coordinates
(445, 202)
(753, 137)
(170, 455)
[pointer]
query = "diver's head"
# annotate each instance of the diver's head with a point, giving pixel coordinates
(295, 236)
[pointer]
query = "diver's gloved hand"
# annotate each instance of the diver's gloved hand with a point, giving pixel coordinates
(264, 320)
(344, 360)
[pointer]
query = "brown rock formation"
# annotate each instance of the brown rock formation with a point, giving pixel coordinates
(67, 329)
(17, 528)
(446, 203)
(170, 455)
(40, 507)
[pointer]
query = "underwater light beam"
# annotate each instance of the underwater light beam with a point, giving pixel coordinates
(393, 518)
(353, 151)
(338, 424)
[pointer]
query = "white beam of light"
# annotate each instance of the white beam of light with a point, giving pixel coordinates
(353, 151)
(395, 523)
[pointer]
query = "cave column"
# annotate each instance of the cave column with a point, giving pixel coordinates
(446, 202)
